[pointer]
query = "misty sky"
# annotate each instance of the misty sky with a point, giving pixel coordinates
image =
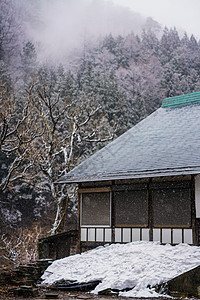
(184, 14)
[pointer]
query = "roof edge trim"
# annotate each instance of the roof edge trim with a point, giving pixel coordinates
(140, 174)
(181, 100)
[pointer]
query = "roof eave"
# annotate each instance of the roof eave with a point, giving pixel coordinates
(130, 175)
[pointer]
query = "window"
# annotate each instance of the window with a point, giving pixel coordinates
(131, 208)
(158, 204)
(171, 207)
(95, 209)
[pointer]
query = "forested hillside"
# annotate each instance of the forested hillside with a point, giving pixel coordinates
(54, 115)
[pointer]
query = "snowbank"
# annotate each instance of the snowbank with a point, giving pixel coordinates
(135, 265)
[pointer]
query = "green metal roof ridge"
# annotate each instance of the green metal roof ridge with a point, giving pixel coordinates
(181, 100)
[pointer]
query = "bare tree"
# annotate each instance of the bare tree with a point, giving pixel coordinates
(68, 123)
(20, 248)
(17, 132)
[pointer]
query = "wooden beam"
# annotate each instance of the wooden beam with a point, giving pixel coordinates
(94, 190)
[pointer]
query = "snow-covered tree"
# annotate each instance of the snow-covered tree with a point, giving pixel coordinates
(28, 60)
(17, 132)
(67, 123)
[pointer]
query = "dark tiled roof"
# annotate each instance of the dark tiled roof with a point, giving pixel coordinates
(165, 143)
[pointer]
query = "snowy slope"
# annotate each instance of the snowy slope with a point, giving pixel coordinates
(135, 265)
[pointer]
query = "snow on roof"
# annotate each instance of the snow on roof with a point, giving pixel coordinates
(139, 266)
(165, 143)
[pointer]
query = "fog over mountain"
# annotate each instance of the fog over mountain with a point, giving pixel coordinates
(59, 26)
(183, 14)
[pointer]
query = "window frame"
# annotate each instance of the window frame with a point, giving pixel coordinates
(95, 190)
(169, 187)
(147, 208)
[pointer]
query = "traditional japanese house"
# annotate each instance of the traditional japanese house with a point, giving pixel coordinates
(145, 185)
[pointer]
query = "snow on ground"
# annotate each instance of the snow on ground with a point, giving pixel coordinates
(135, 265)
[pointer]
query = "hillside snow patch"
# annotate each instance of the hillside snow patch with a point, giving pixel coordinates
(138, 266)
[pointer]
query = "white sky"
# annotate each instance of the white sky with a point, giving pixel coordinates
(183, 14)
